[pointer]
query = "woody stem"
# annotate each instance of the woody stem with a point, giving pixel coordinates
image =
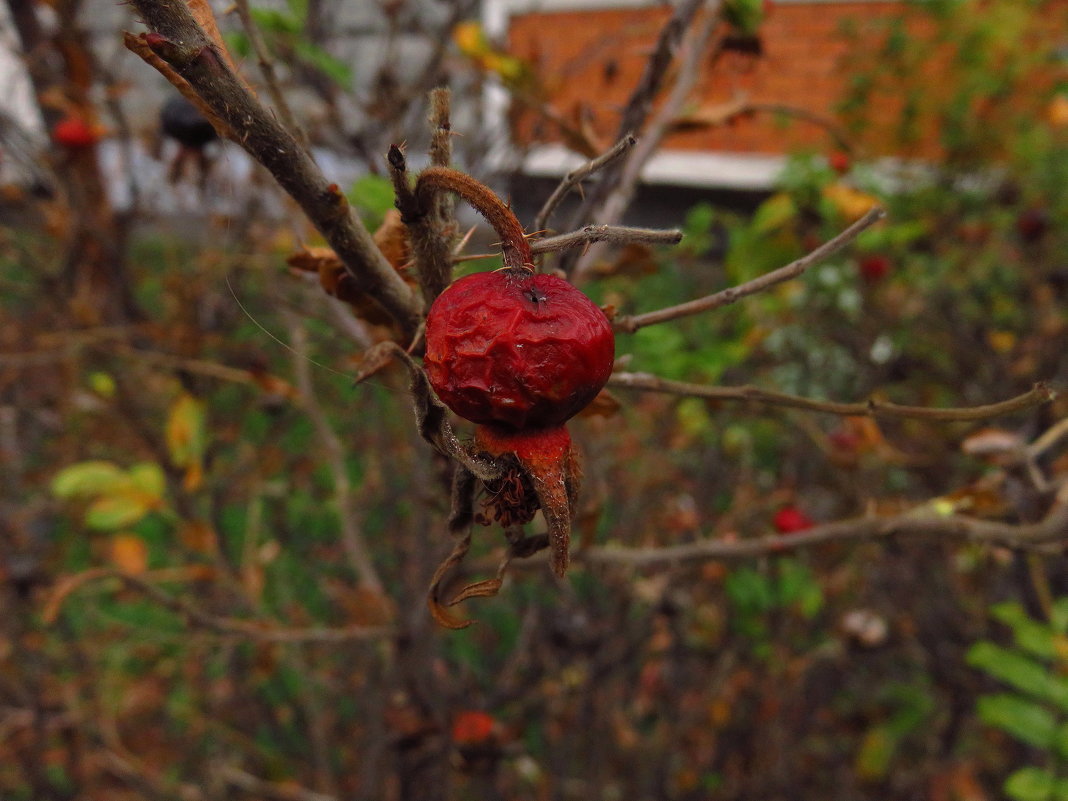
(516, 249)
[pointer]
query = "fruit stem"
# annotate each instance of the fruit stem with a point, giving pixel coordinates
(516, 249)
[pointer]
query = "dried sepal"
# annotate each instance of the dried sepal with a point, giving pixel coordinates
(439, 608)
(549, 467)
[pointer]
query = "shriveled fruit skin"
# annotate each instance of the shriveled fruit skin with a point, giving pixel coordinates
(517, 348)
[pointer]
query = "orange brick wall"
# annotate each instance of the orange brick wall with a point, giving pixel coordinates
(588, 62)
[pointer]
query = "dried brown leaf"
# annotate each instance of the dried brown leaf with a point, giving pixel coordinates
(392, 239)
(375, 359)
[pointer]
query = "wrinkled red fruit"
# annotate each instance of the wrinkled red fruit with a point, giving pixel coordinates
(517, 349)
(74, 133)
(790, 519)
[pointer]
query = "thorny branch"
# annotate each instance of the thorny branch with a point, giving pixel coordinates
(579, 174)
(615, 234)
(1038, 395)
(632, 323)
(920, 523)
(270, 77)
(179, 42)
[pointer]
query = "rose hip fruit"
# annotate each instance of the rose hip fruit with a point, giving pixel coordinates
(74, 133)
(517, 349)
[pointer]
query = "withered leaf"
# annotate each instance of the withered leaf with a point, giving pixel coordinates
(392, 239)
(605, 404)
(375, 359)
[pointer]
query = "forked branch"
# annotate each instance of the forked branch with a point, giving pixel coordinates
(183, 50)
(632, 323)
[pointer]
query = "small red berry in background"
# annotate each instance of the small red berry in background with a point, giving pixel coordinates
(790, 520)
(74, 133)
(840, 162)
(875, 267)
(472, 727)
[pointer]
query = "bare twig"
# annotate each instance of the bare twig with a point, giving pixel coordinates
(197, 618)
(919, 524)
(431, 248)
(204, 367)
(632, 323)
(616, 234)
(440, 151)
(270, 77)
(616, 201)
(188, 53)
(359, 554)
(640, 103)
(1048, 439)
(1039, 394)
(635, 114)
(835, 131)
(579, 174)
(242, 780)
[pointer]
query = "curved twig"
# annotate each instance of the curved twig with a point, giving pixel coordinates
(1053, 528)
(1039, 394)
(632, 323)
(194, 616)
(578, 175)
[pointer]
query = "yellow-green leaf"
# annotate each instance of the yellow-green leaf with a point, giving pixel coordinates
(102, 384)
(148, 477)
(118, 510)
(86, 479)
(774, 213)
(872, 761)
(184, 431)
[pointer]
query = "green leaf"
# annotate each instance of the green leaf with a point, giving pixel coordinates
(1020, 671)
(1031, 636)
(797, 586)
(872, 761)
(334, 68)
(1025, 720)
(749, 590)
(87, 479)
(122, 509)
(1059, 616)
(1034, 784)
(373, 196)
(274, 21)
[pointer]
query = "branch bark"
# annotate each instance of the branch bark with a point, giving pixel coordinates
(1052, 528)
(1041, 393)
(179, 41)
(632, 323)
